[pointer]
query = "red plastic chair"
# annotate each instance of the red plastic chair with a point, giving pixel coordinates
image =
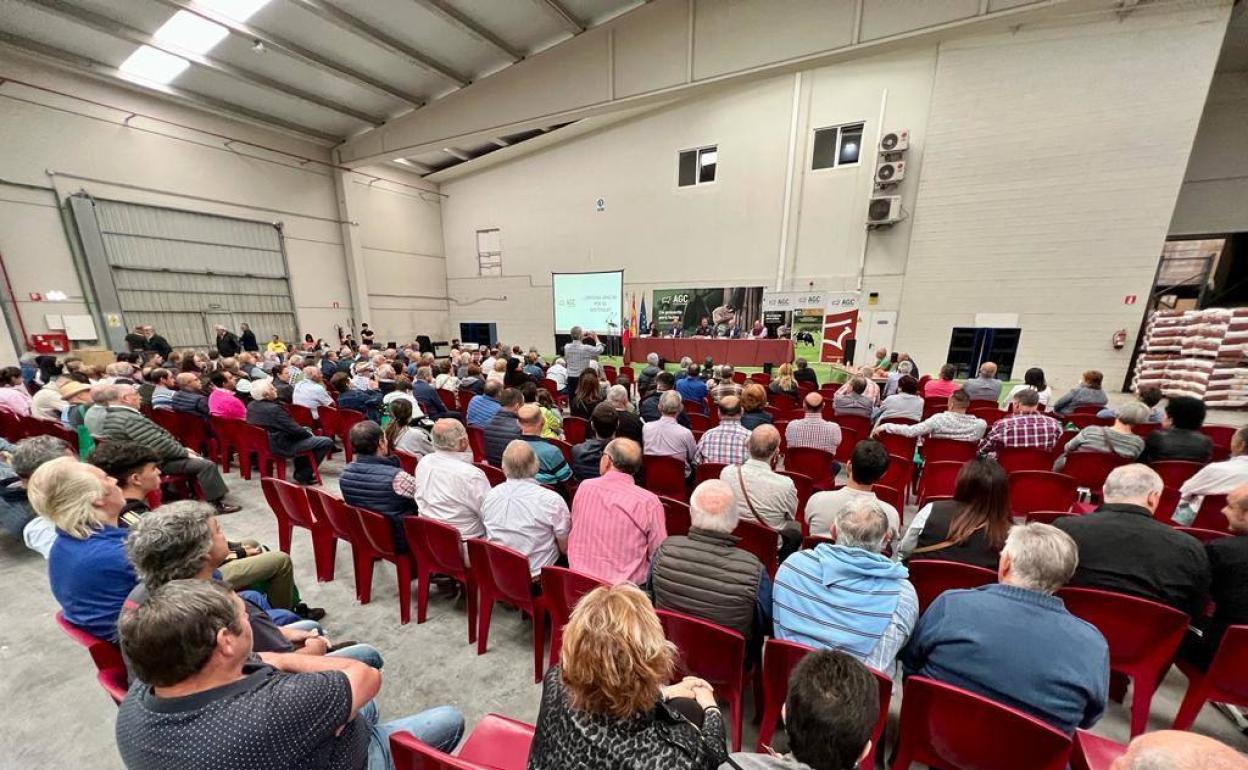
(1063, 440)
(946, 727)
(303, 416)
(899, 474)
(1174, 472)
(1041, 491)
(693, 407)
(893, 497)
(476, 441)
(1090, 469)
(464, 398)
(109, 666)
(1204, 535)
(813, 541)
(760, 540)
(814, 463)
(192, 431)
(665, 476)
(738, 377)
(1225, 681)
(575, 429)
(562, 588)
(502, 575)
(676, 512)
(407, 460)
(805, 486)
(1087, 409)
(497, 743)
(564, 447)
(698, 421)
(434, 548)
(1047, 517)
(938, 479)
(988, 414)
(298, 510)
(1143, 637)
(449, 399)
(1210, 515)
(849, 440)
(855, 422)
(708, 471)
(379, 533)
(1221, 435)
(345, 523)
(931, 578)
(713, 653)
(897, 421)
(11, 426)
(1167, 505)
(347, 419)
(253, 440)
(1082, 421)
(934, 404)
(285, 529)
(550, 386)
(937, 450)
(1025, 459)
(609, 373)
(779, 660)
(897, 444)
(762, 378)
(327, 416)
(494, 475)
(1092, 752)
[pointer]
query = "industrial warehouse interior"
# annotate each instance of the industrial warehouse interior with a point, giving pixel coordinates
(605, 384)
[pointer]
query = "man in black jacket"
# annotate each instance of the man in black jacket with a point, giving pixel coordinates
(648, 407)
(248, 339)
(1180, 437)
(156, 343)
(503, 427)
(1122, 548)
(287, 438)
(227, 342)
(587, 455)
(1228, 567)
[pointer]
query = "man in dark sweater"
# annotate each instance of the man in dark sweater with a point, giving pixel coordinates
(1180, 437)
(375, 481)
(1228, 568)
(1013, 641)
(503, 427)
(648, 407)
(1122, 548)
(247, 340)
(227, 342)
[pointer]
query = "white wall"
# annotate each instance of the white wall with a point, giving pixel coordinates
(1214, 197)
(148, 161)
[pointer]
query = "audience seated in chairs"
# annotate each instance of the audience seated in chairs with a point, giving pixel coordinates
(608, 703)
(985, 387)
(87, 565)
(1228, 569)
(1215, 478)
(628, 424)
(970, 528)
(1150, 396)
(867, 465)
(310, 391)
(449, 488)
(123, 422)
(1033, 379)
(374, 480)
(403, 434)
(287, 438)
(1122, 548)
(192, 640)
(727, 442)
(221, 401)
(705, 574)
(666, 437)
(587, 395)
(812, 430)
(753, 406)
(14, 397)
(648, 407)
(587, 455)
(954, 424)
(1088, 393)
(726, 386)
(365, 401)
(522, 514)
(1118, 439)
(617, 526)
(1179, 437)
(763, 495)
(77, 397)
(1013, 641)
(645, 380)
(427, 396)
(17, 517)
(943, 385)
(905, 402)
(829, 715)
(504, 426)
(692, 386)
(848, 596)
(483, 408)
(1026, 428)
(553, 467)
(189, 397)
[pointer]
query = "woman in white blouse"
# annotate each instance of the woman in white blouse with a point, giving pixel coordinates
(1033, 380)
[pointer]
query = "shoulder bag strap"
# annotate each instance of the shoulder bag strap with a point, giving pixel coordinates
(750, 503)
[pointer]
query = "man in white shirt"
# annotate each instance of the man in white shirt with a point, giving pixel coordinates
(524, 515)
(310, 391)
(1216, 478)
(667, 437)
(558, 372)
(449, 488)
(867, 465)
(762, 494)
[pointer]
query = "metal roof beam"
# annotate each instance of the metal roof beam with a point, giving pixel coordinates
(139, 37)
(294, 50)
(564, 15)
(89, 66)
(358, 26)
(449, 13)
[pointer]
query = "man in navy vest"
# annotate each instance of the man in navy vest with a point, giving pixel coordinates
(374, 480)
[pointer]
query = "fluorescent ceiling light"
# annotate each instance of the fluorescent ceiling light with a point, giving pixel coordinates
(239, 10)
(154, 65)
(404, 161)
(194, 33)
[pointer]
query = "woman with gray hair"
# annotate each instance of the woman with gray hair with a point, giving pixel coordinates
(1119, 439)
(287, 438)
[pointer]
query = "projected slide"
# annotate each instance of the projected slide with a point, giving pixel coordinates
(591, 301)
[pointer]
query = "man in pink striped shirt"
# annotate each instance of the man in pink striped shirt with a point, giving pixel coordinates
(616, 525)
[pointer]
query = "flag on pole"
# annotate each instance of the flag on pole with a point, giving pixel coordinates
(632, 316)
(625, 338)
(642, 326)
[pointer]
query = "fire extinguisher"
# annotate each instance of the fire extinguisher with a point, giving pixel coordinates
(1120, 339)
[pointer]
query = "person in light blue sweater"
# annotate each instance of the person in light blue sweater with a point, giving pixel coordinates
(1015, 642)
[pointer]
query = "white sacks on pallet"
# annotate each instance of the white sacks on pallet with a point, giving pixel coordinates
(1201, 353)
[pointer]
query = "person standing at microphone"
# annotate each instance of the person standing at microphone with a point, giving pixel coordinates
(583, 348)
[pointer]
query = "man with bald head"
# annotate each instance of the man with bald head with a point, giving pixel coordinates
(985, 387)
(1228, 570)
(552, 466)
(522, 514)
(726, 442)
(449, 488)
(617, 526)
(1174, 750)
(812, 430)
(762, 494)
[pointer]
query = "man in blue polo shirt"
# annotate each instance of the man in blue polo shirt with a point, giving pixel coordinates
(483, 408)
(552, 466)
(692, 387)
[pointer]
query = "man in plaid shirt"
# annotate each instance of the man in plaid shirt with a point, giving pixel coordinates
(725, 385)
(812, 430)
(726, 443)
(1026, 428)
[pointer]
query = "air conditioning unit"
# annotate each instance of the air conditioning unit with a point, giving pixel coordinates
(890, 172)
(895, 141)
(884, 210)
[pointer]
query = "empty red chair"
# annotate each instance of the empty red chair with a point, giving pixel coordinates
(502, 575)
(1225, 681)
(814, 463)
(1087, 409)
(476, 441)
(564, 448)
(294, 499)
(893, 497)
(1174, 472)
(931, 578)
(676, 512)
(434, 548)
(1221, 435)
(497, 743)
(938, 479)
(988, 414)
(762, 378)
(1025, 459)
(1041, 491)
(628, 371)
(899, 474)
(1092, 752)
(897, 444)
(464, 398)
(1143, 637)
(937, 450)
(109, 666)
(327, 416)
(849, 440)
(407, 460)
(285, 528)
(934, 404)
(805, 487)
(1090, 469)
(575, 429)
(708, 471)
(380, 535)
(760, 540)
(738, 377)
(493, 474)
(1209, 515)
(855, 422)
(693, 407)
(713, 653)
(946, 727)
(347, 419)
(665, 476)
(608, 372)
(449, 399)
(562, 588)
(345, 523)
(698, 421)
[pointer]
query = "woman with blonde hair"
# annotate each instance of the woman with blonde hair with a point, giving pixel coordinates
(87, 566)
(784, 382)
(607, 705)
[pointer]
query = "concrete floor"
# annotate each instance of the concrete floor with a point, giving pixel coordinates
(57, 716)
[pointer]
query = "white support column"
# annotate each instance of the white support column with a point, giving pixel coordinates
(349, 205)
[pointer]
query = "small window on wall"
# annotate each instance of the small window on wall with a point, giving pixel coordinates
(697, 166)
(489, 253)
(837, 146)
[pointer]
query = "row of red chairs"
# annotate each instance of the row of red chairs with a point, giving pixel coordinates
(14, 428)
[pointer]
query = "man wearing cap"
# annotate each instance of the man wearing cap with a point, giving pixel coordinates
(77, 397)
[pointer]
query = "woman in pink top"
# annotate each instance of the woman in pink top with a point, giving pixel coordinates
(14, 397)
(221, 401)
(943, 386)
